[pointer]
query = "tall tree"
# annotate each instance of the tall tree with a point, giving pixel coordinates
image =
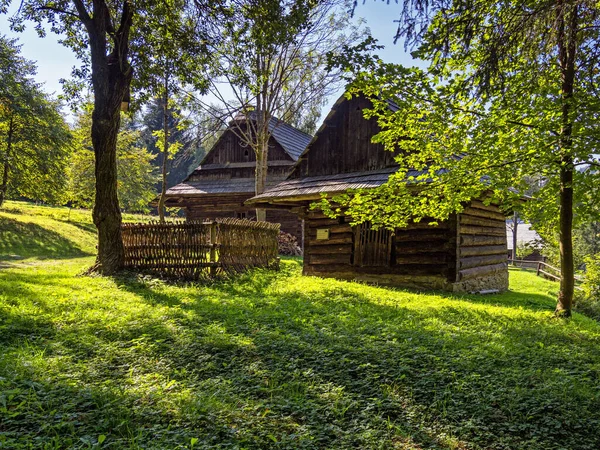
(136, 174)
(105, 35)
(273, 62)
(511, 93)
(34, 138)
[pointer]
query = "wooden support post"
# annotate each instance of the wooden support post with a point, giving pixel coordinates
(539, 267)
(213, 249)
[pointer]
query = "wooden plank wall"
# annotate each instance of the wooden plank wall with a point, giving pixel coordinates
(482, 241)
(229, 148)
(344, 144)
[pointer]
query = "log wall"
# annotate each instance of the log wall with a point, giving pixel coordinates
(421, 255)
(233, 207)
(465, 253)
(481, 250)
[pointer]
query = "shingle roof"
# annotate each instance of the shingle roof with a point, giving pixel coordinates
(216, 186)
(311, 186)
(291, 139)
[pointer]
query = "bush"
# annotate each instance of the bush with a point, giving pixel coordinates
(588, 302)
(288, 245)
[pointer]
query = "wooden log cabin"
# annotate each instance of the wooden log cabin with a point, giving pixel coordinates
(466, 253)
(225, 178)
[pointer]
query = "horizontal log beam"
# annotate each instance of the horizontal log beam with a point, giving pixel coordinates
(469, 241)
(478, 261)
(421, 236)
(481, 271)
(483, 213)
(482, 231)
(415, 269)
(333, 229)
(423, 249)
(322, 223)
(328, 259)
(328, 249)
(432, 258)
(339, 238)
(477, 204)
(479, 221)
(483, 250)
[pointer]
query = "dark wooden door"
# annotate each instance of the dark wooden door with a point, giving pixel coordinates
(372, 248)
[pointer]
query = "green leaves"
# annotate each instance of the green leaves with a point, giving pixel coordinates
(136, 174)
(34, 138)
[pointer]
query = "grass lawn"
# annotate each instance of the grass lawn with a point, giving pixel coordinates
(277, 360)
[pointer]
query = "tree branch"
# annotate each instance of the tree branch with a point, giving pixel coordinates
(58, 10)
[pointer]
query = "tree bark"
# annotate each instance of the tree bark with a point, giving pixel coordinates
(6, 165)
(262, 158)
(161, 201)
(567, 46)
(514, 237)
(111, 78)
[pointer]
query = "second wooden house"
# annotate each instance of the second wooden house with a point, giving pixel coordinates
(225, 178)
(465, 253)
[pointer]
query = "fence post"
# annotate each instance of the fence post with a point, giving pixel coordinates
(213, 248)
(539, 268)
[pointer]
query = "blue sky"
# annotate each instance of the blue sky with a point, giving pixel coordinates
(55, 61)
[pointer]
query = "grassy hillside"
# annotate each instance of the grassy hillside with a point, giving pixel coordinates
(277, 360)
(30, 231)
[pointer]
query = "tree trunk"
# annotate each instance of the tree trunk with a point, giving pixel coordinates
(567, 270)
(111, 78)
(514, 236)
(161, 201)
(6, 168)
(107, 214)
(261, 176)
(567, 46)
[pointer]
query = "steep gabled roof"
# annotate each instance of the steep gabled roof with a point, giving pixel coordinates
(290, 138)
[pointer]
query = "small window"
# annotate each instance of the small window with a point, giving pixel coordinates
(241, 215)
(372, 248)
(246, 154)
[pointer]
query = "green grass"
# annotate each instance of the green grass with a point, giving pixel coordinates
(32, 231)
(277, 360)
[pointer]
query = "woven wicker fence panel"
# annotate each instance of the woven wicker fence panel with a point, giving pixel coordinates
(200, 250)
(244, 244)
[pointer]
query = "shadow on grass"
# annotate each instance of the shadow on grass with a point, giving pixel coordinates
(271, 360)
(31, 240)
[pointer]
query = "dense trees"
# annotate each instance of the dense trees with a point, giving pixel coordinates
(106, 36)
(511, 93)
(34, 138)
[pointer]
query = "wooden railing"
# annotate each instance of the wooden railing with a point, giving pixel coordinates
(542, 269)
(200, 250)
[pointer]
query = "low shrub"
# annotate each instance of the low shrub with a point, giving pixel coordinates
(588, 301)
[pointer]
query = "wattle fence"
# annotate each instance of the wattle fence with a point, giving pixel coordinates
(194, 250)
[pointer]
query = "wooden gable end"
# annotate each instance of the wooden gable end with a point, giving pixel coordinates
(230, 149)
(343, 144)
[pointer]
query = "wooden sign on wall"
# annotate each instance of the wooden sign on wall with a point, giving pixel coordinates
(322, 234)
